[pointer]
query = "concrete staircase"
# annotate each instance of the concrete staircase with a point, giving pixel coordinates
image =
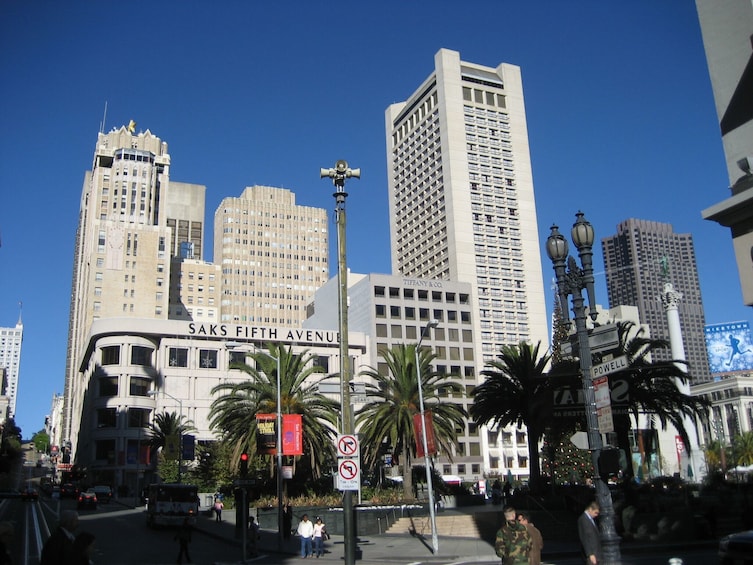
(482, 525)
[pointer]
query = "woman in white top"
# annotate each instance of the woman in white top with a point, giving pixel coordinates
(319, 534)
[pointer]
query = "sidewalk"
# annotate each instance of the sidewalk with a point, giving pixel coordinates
(384, 548)
(404, 548)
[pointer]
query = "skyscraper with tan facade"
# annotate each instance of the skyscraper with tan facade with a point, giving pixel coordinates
(272, 254)
(133, 220)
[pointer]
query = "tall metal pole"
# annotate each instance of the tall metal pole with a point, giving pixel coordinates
(339, 174)
(571, 281)
(425, 443)
(280, 519)
(280, 531)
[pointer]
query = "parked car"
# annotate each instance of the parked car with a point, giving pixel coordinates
(68, 490)
(87, 500)
(736, 548)
(103, 492)
(30, 493)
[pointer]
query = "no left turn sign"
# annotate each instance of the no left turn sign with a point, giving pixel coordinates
(348, 474)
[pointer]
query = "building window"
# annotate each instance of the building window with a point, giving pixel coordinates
(108, 386)
(208, 358)
(104, 450)
(138, 417)
(178, 357)
(141, 355)
(111, 355)
(139, 386)
(107, 418)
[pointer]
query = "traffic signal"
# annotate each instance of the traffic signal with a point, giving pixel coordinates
(244, 464)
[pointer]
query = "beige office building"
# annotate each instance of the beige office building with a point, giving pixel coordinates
(272, 254)
(133, 220)
(462, 201)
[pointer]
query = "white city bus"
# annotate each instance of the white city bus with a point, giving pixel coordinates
(170, 504)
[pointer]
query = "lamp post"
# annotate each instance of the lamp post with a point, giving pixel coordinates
(180, 424)
(571, 281)
(424, 442)
(339, 174)
(233, 345)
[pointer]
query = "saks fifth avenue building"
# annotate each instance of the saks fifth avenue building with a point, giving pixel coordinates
(133, 369)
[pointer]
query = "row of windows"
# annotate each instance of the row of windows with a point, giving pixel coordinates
(409, 313)
(447, 297)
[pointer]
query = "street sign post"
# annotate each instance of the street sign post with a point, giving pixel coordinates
(600, 339)
(348, 474)
(609, 367)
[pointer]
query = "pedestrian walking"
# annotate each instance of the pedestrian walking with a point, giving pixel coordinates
(513, 543)
(287, 521)
(59, 546)
(218, 506)
(253, 535)
(537, 540)
(320, 534)
(589, 535)
(184, 538)
(306, 532)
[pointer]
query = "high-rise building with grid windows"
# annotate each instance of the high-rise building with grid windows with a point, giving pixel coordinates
(639, 259)
(10, 366)
(462, 207)
(272, 254)
(461, 195)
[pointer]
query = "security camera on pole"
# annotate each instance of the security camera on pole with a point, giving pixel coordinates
(339, 174)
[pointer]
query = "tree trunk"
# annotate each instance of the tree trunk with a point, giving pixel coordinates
(407, 475)
(534, 461)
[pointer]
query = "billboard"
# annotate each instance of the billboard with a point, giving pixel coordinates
(729, 347)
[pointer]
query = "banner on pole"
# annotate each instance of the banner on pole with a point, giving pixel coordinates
(266, 434)
(292, 434)
(431, 443)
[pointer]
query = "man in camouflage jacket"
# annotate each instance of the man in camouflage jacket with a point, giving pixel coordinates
(513, 541)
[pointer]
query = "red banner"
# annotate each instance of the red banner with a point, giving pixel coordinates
(431, 443)
(292, 434)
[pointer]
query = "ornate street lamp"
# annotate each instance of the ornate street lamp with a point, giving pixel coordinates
(571, 281)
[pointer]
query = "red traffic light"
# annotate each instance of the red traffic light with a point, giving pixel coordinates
(244, 456)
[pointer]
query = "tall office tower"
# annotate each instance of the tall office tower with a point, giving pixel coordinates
(10, 360)
(639, 259)
(461, 196)
(727, 29)
(273, 256)
(132, 220)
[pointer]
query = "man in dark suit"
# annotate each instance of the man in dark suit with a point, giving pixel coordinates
(58, 548)
(590, 537)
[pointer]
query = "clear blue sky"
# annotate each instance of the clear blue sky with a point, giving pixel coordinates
(620, 114)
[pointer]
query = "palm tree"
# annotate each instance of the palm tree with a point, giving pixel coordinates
(167, 424)
(516, 392)
(742, 449)
(653, 385)
(393, 401)
(234, 411)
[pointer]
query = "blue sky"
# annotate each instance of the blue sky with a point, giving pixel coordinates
(620, 114)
